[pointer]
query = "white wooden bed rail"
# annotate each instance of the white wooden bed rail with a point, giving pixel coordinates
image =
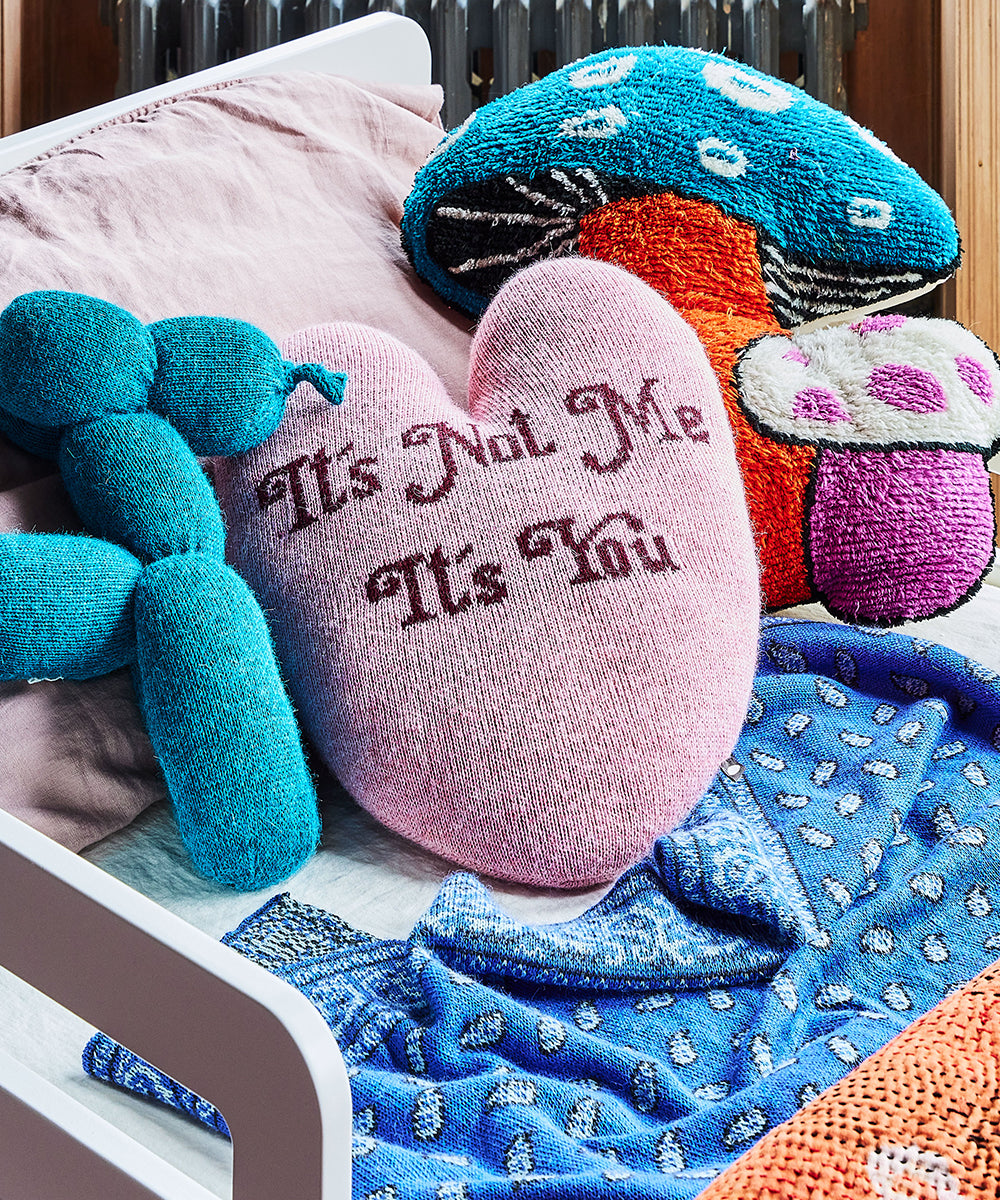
(213, 1020)
(216, 1022)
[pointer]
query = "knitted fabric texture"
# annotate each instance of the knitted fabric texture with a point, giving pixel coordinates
(920, 1118)
(87, 382)
(749, 205)
(522, 634)
(65, 606)
(798, 919)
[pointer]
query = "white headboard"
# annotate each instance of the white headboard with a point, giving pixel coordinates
(380, 48)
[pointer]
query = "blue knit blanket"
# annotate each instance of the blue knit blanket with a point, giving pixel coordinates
(802, 915)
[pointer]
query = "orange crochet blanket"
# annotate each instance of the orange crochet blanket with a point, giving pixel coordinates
(920, 1120)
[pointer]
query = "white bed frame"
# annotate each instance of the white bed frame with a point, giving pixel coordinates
(66, 927)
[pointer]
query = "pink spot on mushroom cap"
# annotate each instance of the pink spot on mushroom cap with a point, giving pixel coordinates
(879, 323)
(818, 404)
(975, 377)
(908, 387)
(794, 354)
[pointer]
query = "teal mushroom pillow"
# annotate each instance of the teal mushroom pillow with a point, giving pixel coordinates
(760, 213)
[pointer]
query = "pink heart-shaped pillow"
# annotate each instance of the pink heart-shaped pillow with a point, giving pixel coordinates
(521, 634)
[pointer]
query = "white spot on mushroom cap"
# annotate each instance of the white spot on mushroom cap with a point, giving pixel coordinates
(842, 360)
(603, 74)
(722, 158)
(603, 122)
(867, 212)
(746, 90)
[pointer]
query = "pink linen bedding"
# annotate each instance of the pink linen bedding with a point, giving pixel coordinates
(276, 200)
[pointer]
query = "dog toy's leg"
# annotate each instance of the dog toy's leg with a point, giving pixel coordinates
(65, 606)
(221, 723)
(134, 481)
(217, 713)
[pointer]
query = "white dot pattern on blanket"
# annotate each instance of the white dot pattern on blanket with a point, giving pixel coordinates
(563, 1035)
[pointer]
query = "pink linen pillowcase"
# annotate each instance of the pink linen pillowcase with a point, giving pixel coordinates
(276, 200)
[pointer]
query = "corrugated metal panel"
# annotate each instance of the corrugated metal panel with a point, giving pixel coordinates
(485, 48)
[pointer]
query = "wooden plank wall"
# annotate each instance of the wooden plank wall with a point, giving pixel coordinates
(10, 66)
(55, 58)
(970, 178)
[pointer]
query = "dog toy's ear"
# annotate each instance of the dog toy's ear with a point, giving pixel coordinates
(836, 222)
(33, 438)
(223, 383)
(66, 359)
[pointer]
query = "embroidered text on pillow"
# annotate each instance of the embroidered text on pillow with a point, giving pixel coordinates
(307, 482)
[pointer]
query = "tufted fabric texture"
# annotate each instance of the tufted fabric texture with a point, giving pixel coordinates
(754, 209)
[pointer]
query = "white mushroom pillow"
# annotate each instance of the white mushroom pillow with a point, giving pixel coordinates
(903, 414)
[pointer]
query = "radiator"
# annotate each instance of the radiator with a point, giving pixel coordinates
(486, 48)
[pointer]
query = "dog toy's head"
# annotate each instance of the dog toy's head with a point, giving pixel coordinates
(67, 359)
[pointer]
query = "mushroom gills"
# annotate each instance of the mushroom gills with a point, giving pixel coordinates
(806, 293)
(481, 233)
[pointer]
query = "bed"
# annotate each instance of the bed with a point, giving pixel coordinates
(186, 1003)
(89, 1154)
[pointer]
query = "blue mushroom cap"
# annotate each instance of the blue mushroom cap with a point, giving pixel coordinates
(841, 221)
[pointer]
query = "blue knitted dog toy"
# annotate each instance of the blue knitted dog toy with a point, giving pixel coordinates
(124, 408)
